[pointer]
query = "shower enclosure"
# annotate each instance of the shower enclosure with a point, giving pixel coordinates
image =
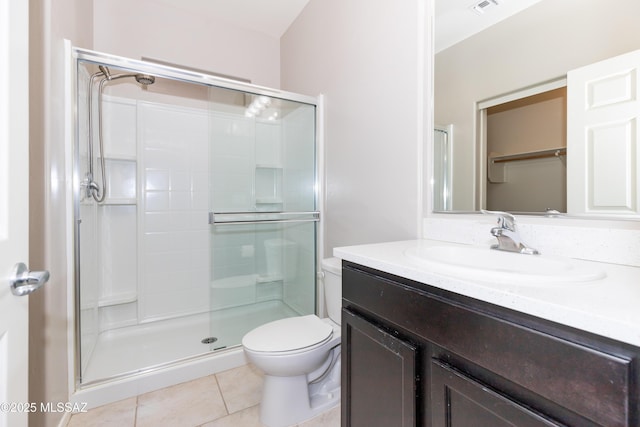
(195, 213)
(442, 167)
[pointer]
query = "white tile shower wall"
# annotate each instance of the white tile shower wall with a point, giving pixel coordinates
(299, 290)
(174, 277)
(298, 184)
(234, 251)
(299, 180)
(118, 246)
(118, 266)
(118, 316)
(267, 145)
(233, 160)
(89, 279)
(246, 176)
(119, 127)
(268, 170)
(88, 243)
(117, 216)
(608, 241)
(121, 180)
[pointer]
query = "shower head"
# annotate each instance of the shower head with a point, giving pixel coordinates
(105, 71)
(145, 79)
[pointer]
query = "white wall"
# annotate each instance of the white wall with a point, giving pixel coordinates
(539, 44)
(50, 23)
(152, 29)
(365, 56)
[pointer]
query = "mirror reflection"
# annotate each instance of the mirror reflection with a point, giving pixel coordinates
(500, 95)
(526, 153)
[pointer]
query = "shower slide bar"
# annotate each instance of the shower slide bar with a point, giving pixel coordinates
(231, 218)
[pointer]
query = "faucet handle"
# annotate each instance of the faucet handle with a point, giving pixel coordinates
(505, 219)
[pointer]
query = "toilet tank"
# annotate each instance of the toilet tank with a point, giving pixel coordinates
(332, 269)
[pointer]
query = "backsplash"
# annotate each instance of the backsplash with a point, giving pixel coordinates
(616, 242)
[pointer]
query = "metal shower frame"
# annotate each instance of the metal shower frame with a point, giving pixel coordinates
(170, 72)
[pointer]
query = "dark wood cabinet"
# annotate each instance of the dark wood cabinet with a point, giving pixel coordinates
(416, 355)
(381, 383)
(460, 401)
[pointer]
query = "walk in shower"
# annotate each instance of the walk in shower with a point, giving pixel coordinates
(195, 212)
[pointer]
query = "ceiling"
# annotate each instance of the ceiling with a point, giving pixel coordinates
(269, 17)
(455, 19)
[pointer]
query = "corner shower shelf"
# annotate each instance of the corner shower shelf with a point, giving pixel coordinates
(268, 184)
(123, 298)
(269, 201)
(269, 279)
(120, 157)
(269, 166)
(119, 201)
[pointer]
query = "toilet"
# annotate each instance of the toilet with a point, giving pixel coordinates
(300, 358)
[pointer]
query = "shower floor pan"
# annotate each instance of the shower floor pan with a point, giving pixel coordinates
(134, 349)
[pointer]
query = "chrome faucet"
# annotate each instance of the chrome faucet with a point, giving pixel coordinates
(508, 237)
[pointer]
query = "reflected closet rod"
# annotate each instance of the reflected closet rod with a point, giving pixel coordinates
(553, 152)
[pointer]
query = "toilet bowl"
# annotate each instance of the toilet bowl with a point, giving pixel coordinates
(300, 358)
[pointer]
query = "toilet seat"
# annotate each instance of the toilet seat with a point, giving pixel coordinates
(288, 335)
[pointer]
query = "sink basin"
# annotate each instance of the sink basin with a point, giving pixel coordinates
(477, 263)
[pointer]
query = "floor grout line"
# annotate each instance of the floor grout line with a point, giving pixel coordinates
(224, 401)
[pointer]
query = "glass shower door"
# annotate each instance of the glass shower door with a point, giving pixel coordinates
(263, 215)
(203, 224)
(442, 168)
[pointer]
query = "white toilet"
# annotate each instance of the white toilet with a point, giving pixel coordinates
(300, 357)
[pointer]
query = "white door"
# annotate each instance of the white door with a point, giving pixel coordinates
(14, 180)
(603, 137)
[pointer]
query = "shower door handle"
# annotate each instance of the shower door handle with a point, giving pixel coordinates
(257, 217)
(23, 282)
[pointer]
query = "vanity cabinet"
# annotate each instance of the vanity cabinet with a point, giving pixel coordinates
(382, 373)
(416, 355)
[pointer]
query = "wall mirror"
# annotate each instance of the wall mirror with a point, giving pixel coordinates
(484, 156)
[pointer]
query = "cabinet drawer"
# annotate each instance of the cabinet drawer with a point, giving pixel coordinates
(458, 400)
(595, 384)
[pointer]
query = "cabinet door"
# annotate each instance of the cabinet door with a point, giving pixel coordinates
(459, 401)
(378, 376)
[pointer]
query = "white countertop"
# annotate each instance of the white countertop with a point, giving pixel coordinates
(608, 307)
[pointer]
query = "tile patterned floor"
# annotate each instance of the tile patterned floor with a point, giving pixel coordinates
(226, 399)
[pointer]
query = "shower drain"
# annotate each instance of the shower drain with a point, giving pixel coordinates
(209, 340)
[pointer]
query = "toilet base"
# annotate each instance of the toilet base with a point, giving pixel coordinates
(287, 401)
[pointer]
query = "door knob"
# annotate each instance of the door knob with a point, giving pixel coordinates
(23, 282)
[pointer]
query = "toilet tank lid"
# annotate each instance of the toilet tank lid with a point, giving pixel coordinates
(293, 333)
(333, 265)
